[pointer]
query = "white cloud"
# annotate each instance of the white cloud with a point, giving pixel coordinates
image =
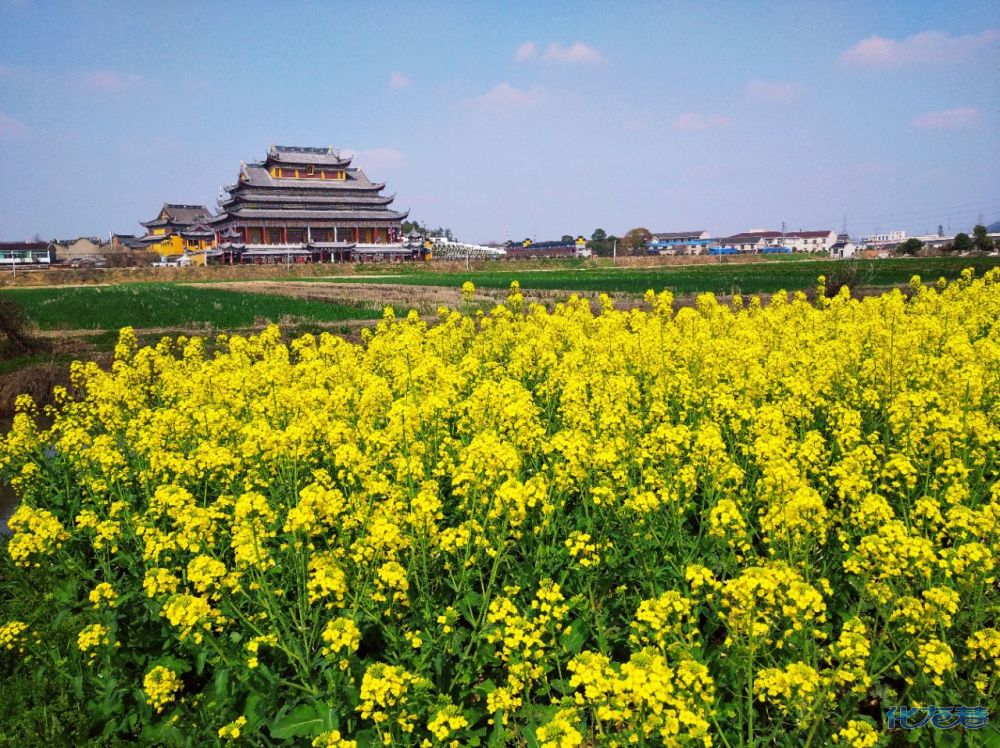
(695, 122)
(526, 51)
(108, 81)
(948, 119)
(505, 96)
(11, 128)
(773, 90)
(576, 53)
(378, 159)
(928, 47)
(399, 80)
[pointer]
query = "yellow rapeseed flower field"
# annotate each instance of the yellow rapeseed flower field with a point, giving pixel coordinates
(728, 525)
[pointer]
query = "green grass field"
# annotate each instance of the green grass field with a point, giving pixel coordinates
(747, 278)
(170, 305)
(145, 305)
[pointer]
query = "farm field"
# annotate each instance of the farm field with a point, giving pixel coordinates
(745, 278)
(729, 524)
(243, 304)
(158, 305)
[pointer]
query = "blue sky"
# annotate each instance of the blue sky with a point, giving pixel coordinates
(511, 120)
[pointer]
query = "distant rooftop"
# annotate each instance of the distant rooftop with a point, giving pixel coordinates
(178, 214)
(667, 235)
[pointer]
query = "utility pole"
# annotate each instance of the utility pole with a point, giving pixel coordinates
(614, 253)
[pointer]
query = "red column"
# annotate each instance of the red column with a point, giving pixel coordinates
(284, 235)
(357, 234)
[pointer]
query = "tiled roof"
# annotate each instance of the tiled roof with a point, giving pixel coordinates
(23, 246)
(290, 154)
(258, 176)
(186, 214)
(198, 229)
(179, 215)
(809, 234)
(663, 236)
(750, 237)
(388, 215)
(256, 196)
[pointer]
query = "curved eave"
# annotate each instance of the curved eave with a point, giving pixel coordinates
(319, 215)
(332, 199)
(318, 157)
(295, 164)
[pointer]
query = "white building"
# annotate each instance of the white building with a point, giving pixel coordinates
(797, 241)
(844, 248)
(893, 237)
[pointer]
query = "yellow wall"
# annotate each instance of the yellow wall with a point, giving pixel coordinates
(170, 246)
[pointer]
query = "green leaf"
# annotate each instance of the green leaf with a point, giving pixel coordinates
(573, 641)
(77, 682)
(174, 663)
(159, 733)
(68, 592)
(469, 605)
(497, 734)
(199, 660)
(252, 710)
(220, 684)
(304, 719)
(561, 686)
(331, 720)
(990, 736)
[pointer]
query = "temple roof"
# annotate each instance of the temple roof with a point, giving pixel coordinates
(289, 154)
(198, 229)
(388, 215)
(257, 196)
(178, 214)
(258, 176)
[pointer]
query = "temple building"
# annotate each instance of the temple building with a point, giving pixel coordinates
(307, 205)
(179, 229)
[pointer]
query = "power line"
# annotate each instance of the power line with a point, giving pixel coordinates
(970, 207)
(935, 214)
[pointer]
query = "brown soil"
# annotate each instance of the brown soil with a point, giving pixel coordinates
(424, 299)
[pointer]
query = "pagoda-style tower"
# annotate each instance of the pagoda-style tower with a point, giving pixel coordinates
(310, 204)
